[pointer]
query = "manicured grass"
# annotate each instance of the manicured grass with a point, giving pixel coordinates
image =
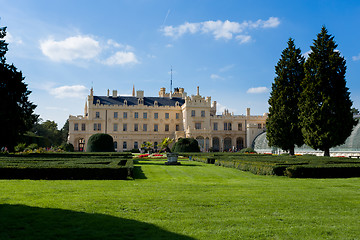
(190, 201)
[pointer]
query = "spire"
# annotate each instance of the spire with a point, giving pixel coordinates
(133, 93)
(171, 79)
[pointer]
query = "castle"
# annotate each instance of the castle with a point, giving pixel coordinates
(134, 120)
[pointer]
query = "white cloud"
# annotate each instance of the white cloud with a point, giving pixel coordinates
(221, 108)
(57, 109)
(72, 48)
(243, 38)
(75, 91)
(226, 68)
(258, 90)
(216, 77)
(151, 56)
(9, 38)
(87, 48)
(220, 29)
(121, 58)
(356, 58)
(306, 55)
(169, 45)
(115, 44)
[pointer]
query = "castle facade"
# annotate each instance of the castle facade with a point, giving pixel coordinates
(134, 120)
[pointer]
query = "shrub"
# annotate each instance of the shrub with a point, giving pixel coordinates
(32, 146)
(20, 147)
(67, 147)
(100, 142)
(247, 150)
(135, 150)
(186, 145)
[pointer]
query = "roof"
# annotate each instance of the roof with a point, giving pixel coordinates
(131, 101)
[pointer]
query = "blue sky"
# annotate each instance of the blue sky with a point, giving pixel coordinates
(228, 48)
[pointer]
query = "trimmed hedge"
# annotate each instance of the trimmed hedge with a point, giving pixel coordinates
(67, 166)
(290, 166)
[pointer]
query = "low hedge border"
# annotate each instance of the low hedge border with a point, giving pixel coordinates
(290, 166)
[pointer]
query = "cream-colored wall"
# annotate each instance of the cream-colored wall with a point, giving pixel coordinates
(186, 124)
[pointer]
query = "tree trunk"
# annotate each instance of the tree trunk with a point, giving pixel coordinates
(292, 151)
(327, 152)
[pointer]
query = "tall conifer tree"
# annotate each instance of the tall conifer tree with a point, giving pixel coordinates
(283, 129)
(325, 104)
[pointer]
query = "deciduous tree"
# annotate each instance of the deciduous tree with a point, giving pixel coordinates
(16, 111)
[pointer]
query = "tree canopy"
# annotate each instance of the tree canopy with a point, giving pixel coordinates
(283, 127)
(325, 105)
(16, 111)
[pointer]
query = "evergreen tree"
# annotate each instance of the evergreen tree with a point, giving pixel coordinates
(16, 111)
(325, 104)
(283, 127)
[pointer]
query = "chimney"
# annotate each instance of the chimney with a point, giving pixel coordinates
(108, 93)
(114, 94)
(140, 94)
(248, 112)
(162, 92)
(198, 92)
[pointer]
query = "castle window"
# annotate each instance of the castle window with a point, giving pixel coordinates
(259, 125)
(145, 127)
(156, 115)
(124, 127)
(197, 125)
(125, 102)
(124, 114)
(177, 127)
(136, 115)
(136, 145)
(156, 103)
(166, 115)
(115, 145)
(83, 127)
(156, 127)
(202, 113)
(97, 115)
(193, 113)
(145, 115)
(124, 145)
(227, 126)
(115, 114)
(240, 126)
(97, 126)
(166, 127)
(136, 127)
(76, 127)
(115, 127)
(215, 127)
(177, 115)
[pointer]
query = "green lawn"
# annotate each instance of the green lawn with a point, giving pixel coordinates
(191, 201)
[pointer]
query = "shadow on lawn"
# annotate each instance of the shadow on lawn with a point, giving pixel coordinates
(162, 163)
(138, 173)
(24, 222)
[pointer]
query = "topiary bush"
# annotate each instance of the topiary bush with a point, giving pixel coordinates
(100, 142)
(247, 150)
(186, 145)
